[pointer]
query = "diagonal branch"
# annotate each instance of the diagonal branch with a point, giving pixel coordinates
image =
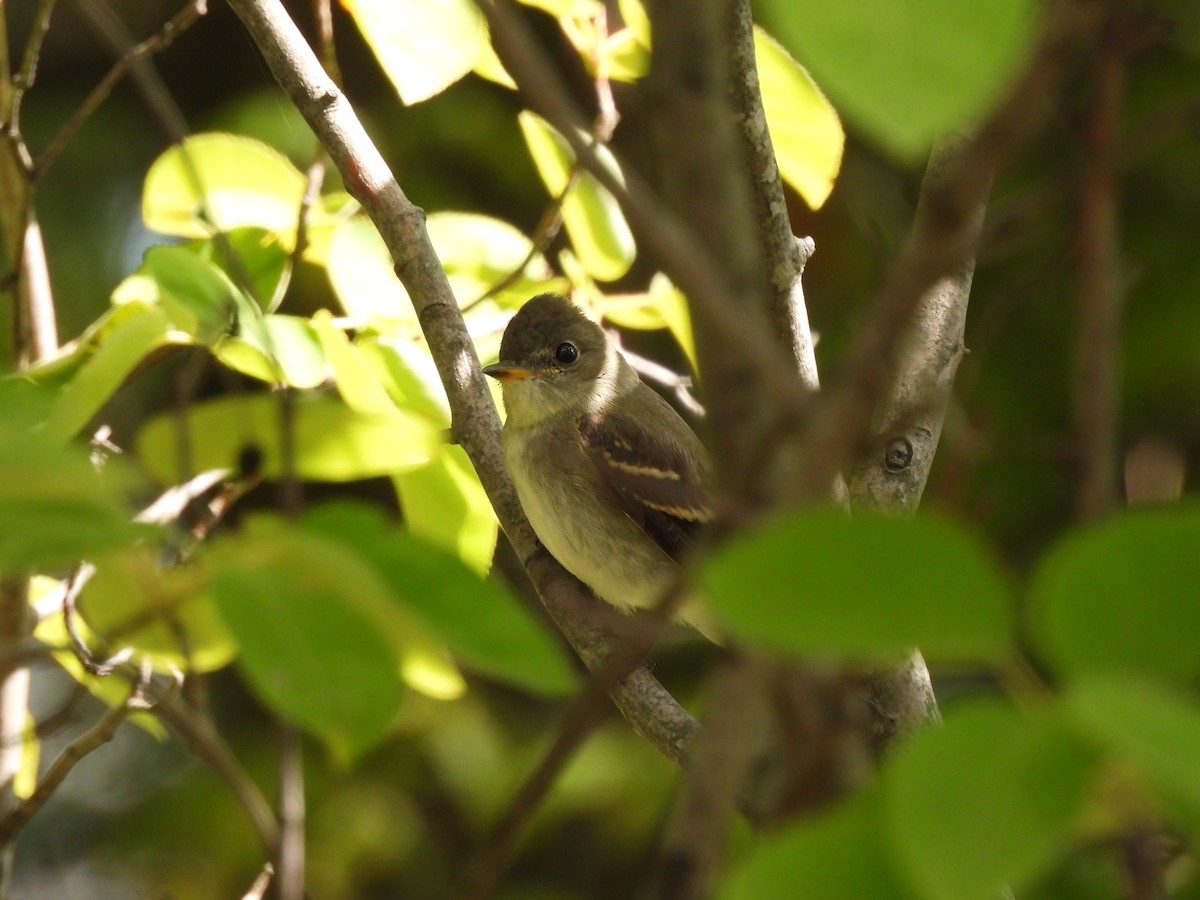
(651, 711)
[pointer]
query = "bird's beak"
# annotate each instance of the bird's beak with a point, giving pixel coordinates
(501, 372)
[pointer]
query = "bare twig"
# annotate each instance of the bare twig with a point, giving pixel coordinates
(128, 61)
(99, 735)
(258, 889)
(1098, 303)
(291, 814)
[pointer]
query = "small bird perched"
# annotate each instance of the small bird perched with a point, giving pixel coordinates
(611, 478)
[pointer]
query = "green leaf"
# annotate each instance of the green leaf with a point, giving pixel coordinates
(354, 375)
(805, 130)
(137, 332)
(593, 219)
(1153, 726)
(662, 306)
(197, 296)
(1124, 595)
(482, 623)
(819, 582)
(837, 854)
(409, 374)
(477, 253)
(332, 441)
(424, 46)
(217, 182)
(445, 504)
(286, 348)
(163, 614)
(252, 258)
(309, 648)
(987, 801)
(55, 508)
(905, 72)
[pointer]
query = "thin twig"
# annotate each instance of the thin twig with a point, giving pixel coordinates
(33, 49)
(128, 60)
(290, 862)
(97, 736)
(1095, 395)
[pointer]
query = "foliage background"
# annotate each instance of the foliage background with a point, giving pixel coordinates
(142, 817)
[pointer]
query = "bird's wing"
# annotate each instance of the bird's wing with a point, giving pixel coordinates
(658, 485)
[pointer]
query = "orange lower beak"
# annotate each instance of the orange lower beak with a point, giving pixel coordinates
(501, 372)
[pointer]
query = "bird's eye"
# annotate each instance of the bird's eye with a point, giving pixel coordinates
(566, 353)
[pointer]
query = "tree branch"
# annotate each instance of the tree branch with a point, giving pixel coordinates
(651, 711)
(939, 241)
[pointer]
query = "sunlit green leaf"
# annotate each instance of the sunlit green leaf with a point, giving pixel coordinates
(805, 130)
(139, 331)
(332, 441)
(1124, 596)
(444, 503)
(819, 582)
(360, 271)
(196, 295)
(354, 376)
(1155, 727)
(218, 182)
(163, 614)
(661, 306)
(408, 373)
(424, 46)
(905, 72)
(837, 854)
(253, 259)
(593, 219)
(478, 620)
(287, 349)
(987, 801)
(488, 65)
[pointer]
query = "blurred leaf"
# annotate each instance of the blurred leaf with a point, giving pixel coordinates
(55, 508)
(479, 621)
(1153, 726)
(25, 779)
(287, 348)
(444, 503)
(424, 46)
(835, 854)
(163, 614)
(661, 306)
(332, 441)
(253, 259)
(218, 182)
(308, 647)
(987, 801)
(133, 336)
(354, 376)
(476, 251)
(594, 222)
(197, 296)
(819, 582)
(488, 65)
(1123, 596)
(905, 72)
(360, 271)
(805, 130)
(409, 375)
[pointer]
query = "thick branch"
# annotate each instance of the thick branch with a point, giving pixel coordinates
(651, 711)
(939, 242)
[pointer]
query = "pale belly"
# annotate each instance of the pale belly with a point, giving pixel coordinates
(619, 564)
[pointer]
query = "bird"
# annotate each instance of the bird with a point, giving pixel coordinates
(612, 479)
